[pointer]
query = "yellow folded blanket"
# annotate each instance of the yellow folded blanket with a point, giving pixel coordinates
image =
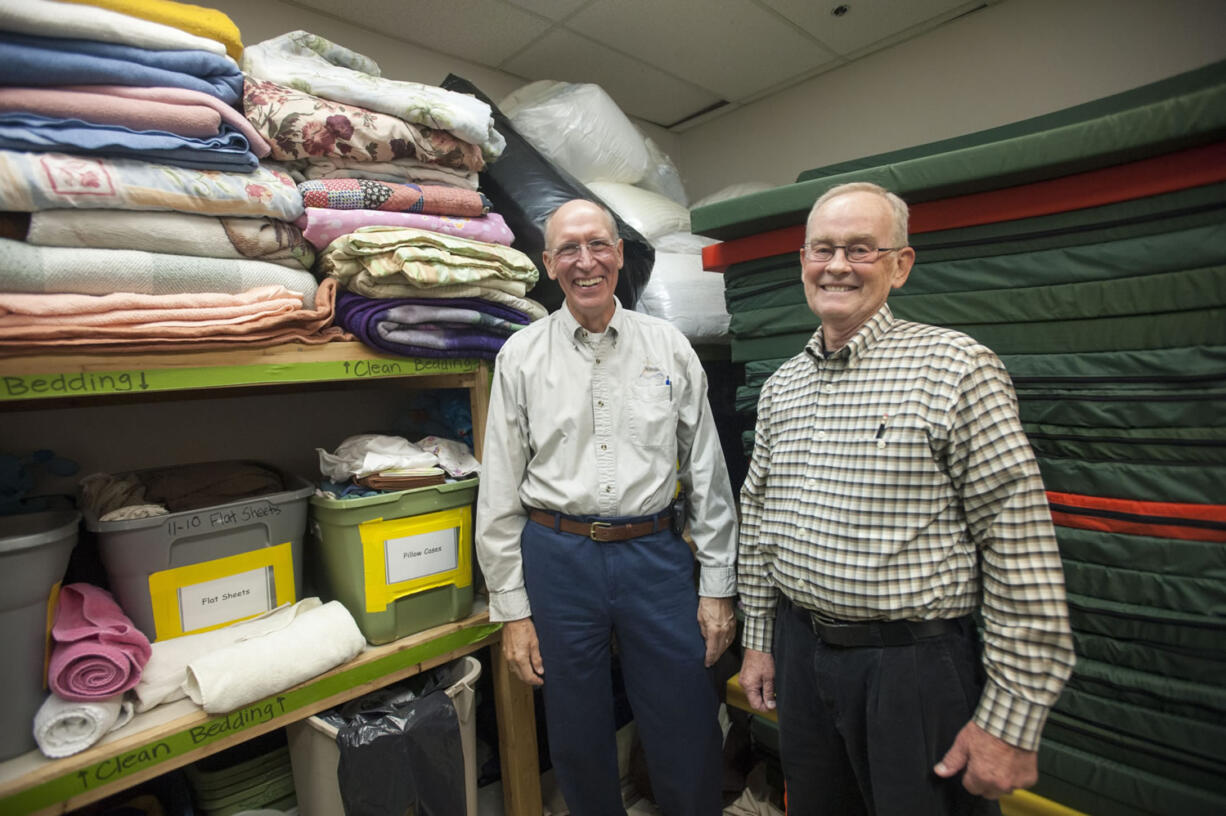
(198, 20)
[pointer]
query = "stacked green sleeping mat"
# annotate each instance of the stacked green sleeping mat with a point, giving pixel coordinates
(1088, 249)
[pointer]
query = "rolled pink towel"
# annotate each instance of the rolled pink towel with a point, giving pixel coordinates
(97, 652)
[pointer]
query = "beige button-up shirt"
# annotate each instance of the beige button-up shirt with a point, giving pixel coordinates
(605, 426)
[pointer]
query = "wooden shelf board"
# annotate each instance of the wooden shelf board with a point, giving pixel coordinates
(60, 376)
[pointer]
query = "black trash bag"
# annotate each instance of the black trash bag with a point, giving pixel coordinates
(524, 186)
(401, 754)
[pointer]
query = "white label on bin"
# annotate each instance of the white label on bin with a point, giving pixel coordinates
(222, 600)
(417, 556)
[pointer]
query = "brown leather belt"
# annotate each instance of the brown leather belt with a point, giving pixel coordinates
(602, 530)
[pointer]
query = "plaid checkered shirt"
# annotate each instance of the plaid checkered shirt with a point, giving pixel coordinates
(892, 480)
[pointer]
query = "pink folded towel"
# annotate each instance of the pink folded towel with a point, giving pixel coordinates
(97, 652)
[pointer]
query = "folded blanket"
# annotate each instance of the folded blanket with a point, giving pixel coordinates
(310, 326)
(177, 233)
(322, 68)
(52, 19)
(424, 258)
(227, 150)
(49, 316)
(165, 673)
(52, 61)
(47, 181)
(367, 194)
(66, 727)
(321, 226)
(203, 22)
(303, 126)
(25, 267)
(99, 109)
(182, 96)
(425, 328)
(397, 171)
(253, 668)
(97, 652)
(504, 293)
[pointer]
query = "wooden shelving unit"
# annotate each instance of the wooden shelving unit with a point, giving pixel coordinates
(162, 740)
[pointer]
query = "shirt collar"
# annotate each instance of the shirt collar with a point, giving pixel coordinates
(572, 328)
(861, 341)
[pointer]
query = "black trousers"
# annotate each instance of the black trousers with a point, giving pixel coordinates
(861, 727)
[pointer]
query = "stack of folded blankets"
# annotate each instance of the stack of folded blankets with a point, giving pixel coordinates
(151, 222)
(387, 171)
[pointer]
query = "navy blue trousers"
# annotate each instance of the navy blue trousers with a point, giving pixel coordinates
(861, 727)
(583, 593)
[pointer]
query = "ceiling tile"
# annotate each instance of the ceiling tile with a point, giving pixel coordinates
(553, 9)
(735, 53)
(486, 32)
(867, 22)
(638, 89)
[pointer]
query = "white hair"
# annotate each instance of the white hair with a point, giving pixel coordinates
(898, 207)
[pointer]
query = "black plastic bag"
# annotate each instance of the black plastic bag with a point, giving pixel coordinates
(525, 186)
(401, 754)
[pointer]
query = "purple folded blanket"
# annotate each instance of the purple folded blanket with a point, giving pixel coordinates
(429, 327)
(97, 652)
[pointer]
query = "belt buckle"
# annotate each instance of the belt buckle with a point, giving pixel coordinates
(597, 525)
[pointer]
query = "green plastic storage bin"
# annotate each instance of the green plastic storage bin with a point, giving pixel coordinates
(400, 562)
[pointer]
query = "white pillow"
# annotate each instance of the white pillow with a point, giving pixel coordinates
(650, 213)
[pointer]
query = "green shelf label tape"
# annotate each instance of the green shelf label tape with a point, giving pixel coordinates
(80, 782)
(138, 381)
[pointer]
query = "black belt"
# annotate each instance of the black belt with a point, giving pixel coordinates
(885, 633)
(602, 530)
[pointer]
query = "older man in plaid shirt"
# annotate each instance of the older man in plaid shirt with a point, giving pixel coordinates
(891, 494)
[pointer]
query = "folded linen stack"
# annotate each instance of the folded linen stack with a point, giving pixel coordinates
(429, 294)
(130, 107)
(374, 154)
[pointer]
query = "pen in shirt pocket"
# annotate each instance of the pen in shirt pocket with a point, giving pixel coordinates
(880, 434)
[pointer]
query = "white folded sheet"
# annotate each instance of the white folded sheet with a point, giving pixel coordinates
(64, 727)
(255, 667)
(162, 679)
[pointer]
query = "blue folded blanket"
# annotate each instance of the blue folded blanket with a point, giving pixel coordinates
(228, 150)
(46, 61)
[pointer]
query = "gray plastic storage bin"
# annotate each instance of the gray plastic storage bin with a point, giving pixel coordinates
(202, 569)
(34, 551)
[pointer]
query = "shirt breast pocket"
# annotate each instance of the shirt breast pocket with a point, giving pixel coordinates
(653, 422)
(899, 464)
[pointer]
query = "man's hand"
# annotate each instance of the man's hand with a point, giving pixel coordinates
(993, 766)
(522, 651)
(758, 680)
(718, 626)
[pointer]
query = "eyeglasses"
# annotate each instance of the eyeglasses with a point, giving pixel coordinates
(856, 253)
(599, 248)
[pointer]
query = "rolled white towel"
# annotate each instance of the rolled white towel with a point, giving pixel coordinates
(243, 672)
(65, 727)
(162, 679)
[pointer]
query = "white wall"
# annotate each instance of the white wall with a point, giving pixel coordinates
(1007, 62)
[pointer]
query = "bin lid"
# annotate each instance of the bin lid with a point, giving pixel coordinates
(28, 530)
